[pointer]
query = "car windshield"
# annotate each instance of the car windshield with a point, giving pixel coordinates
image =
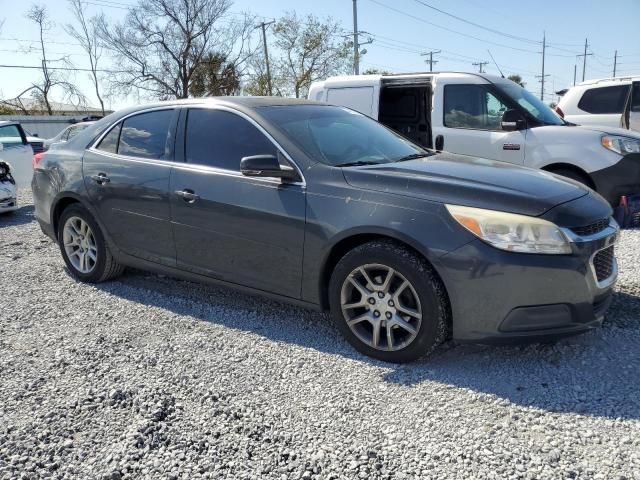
(532, 104)
(340, 137)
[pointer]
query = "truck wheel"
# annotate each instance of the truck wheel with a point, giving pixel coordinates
(388, 302)
(573, 175)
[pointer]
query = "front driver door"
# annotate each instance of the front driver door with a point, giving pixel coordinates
(471, 124)
(127, 177)
(244, 230)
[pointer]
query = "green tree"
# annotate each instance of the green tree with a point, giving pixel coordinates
(517, 79)
(375, 71)
(308, 49)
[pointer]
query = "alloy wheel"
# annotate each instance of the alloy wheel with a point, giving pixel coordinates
(80, 244)
(381, 307)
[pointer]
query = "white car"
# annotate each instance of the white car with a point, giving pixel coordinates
(17, 152)
(66, 134)
(483, 115)
(8, 195)
(609, 102)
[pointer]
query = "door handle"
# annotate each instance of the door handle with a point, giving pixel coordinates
(187, 195)
(100, 178)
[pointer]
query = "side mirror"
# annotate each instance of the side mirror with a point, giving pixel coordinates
(513, 120)
(266, 166)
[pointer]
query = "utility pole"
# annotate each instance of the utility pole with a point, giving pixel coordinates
(542, 77)
(615, 63)
(584, 60)
(480, 65)
(575, 69)
(356, 43)
(431, 60)
(264, 26)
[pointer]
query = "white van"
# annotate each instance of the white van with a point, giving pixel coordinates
(488, 116)
(610, 102)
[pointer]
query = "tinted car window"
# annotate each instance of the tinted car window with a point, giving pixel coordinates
(335, 135)
(635, 99)
(604, 99)
(472, 106)
(145, 135)
(109, 142)
(221, 139)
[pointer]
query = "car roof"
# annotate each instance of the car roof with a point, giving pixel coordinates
(8, 122)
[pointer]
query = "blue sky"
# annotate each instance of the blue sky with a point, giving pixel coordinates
(402, 29)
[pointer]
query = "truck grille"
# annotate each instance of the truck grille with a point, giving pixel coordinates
(603, 263)
(592, 229)
(37, 147)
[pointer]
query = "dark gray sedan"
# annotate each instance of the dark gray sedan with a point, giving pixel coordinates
(324, 207)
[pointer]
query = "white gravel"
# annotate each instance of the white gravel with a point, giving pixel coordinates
(149, 377)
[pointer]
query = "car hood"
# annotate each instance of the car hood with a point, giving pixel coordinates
(579, 133)
(469, 181)
(610, 130)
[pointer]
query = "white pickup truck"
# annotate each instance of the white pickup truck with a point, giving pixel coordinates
(487, 116)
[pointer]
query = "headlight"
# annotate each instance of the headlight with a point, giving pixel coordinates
(621, 145)
(508, 231)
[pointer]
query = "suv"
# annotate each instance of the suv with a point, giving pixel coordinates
(610, 102)
(488, 116)
(321, 206)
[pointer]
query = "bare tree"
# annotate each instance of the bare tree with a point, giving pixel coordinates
(51, 78)
(162, 44)
(309, 49)
(86, 35)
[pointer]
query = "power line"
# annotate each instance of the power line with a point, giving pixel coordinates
(469, 22)
(448, 29)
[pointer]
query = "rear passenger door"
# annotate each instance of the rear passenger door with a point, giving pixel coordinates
(127, 178)
(244, 230)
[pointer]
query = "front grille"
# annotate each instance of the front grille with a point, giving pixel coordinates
(37, 147)
(603, 263)
(592, 229)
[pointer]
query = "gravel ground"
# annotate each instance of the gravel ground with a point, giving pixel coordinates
(149, 377)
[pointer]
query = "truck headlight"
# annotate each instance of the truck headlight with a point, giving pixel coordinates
(508, 231)
(620, 144)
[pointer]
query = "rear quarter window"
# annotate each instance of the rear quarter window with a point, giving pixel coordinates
(604, 100)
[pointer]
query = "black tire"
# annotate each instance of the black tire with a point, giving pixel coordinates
(573, 175)
(106, 267)
(434, 326)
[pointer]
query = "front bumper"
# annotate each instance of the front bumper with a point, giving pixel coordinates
(505, 297)
(620, 179)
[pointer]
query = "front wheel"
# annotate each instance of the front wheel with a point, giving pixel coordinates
(83, 247)
(388, 302)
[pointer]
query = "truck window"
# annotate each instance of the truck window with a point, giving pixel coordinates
(357, 98)
(472, 106)
(604, 100)
(10, 135)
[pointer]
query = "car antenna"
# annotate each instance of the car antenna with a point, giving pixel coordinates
(496, 63)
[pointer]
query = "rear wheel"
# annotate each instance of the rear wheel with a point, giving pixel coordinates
(388, 302)
(83, 247)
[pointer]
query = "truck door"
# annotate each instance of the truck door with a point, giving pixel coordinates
(467, 118)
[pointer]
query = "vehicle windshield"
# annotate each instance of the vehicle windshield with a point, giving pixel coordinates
(532, 104)
(340, 137)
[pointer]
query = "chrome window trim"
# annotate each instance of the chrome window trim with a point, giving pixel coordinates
(189, 166)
